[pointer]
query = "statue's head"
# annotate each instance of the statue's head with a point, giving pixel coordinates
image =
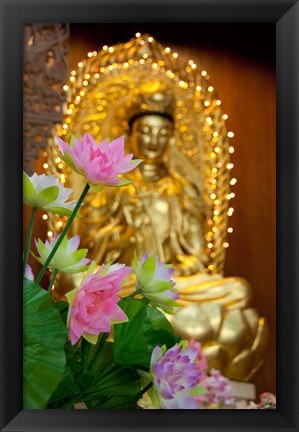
(151, 135)
(151, 127)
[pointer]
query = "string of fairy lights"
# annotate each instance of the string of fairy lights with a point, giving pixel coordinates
(87, 74)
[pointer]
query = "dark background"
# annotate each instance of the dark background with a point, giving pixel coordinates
(250, 40)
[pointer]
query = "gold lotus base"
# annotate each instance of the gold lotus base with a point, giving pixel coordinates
(234, 341)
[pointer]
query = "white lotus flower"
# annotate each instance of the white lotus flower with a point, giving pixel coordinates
(67, 258)
(47, 193)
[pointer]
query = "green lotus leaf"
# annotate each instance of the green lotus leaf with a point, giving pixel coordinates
(44, 338)
(69, 161)
(123, 182)
(129, 345)
(197, 391)
(134, 161)
(74, 269)
(147, 271)
(28, 189)
(157, 286)
(73, 138)
(96, 187)
(134, 340)
(47, 196)
(75, 257)
(61, 211)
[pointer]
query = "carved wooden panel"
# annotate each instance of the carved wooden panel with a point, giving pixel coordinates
(45, 73)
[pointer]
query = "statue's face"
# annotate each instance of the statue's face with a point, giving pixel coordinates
(151, 136)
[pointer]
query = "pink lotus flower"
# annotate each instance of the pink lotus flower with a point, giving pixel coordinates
(201, 360)
(217, 386)
(100, 164)
(218, 390)
(93, 306)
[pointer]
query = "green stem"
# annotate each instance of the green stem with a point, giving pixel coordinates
(145, 389)
(55, 271)
(28, 240)
(133, 294)
(62, 235)
(85, 348)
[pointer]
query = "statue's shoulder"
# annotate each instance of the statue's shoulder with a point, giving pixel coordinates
(185, 185)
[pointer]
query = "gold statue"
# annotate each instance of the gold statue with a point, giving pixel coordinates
(159, 212)
(177, 205)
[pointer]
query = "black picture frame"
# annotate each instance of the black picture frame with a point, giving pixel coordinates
(14, 13)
